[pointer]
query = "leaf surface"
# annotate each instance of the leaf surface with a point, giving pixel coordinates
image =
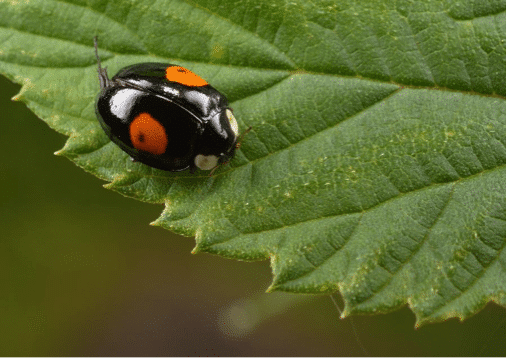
(376, 163)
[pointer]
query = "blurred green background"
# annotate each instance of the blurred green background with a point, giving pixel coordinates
(82, 273)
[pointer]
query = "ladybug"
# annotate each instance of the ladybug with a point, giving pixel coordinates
(166, 116)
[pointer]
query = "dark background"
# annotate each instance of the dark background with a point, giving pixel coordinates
(82, 273)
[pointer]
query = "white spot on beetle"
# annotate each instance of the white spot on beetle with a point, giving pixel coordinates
(232, 121)
(205, 162)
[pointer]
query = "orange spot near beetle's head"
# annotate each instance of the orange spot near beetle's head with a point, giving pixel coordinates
(185, 77)
(147, 134)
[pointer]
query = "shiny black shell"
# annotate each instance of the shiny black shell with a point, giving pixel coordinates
(194, 118)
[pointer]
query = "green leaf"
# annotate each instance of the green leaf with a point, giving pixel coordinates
(376, 163)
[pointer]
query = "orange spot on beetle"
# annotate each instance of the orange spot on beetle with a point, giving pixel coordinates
(185, 77)
(147, 134)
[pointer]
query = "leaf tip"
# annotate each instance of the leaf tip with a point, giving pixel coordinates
(156, 223)
(271, 288)
(26, 84)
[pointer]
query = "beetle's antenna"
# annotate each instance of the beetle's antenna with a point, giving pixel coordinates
(241, 136)
(103, 78)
